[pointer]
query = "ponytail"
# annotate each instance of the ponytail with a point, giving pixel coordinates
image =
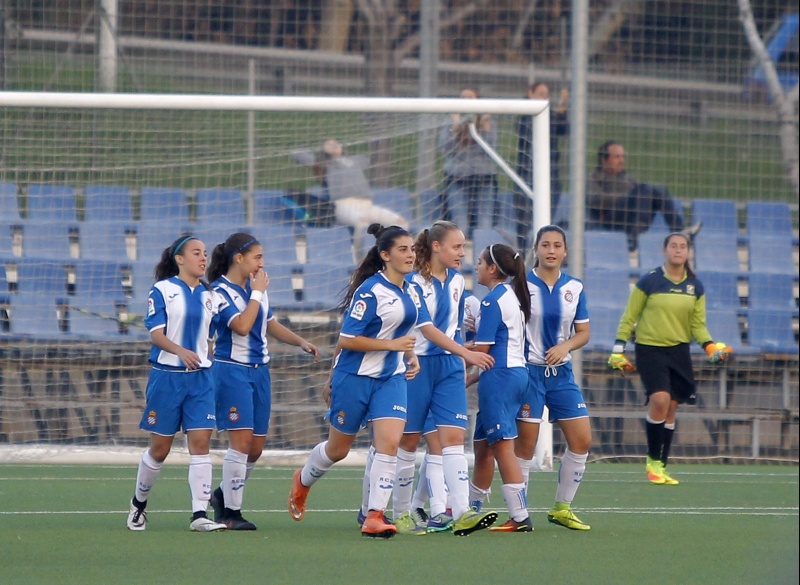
(509, 263)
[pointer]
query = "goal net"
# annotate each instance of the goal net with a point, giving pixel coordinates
(95, 186)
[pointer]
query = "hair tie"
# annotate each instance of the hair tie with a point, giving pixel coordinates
(499, 268)
(516, 255)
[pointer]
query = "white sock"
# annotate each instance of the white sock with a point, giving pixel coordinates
(456, 477)
(234, 475)
(250, 466)
(365, 481)
(421, 493)
(477, 496)
(437, 493)
(404, 482)
(381, 480)
(525, 467)
(316, 466)
(200, 481)
(516, 500)
(570, 474)
(147, 475)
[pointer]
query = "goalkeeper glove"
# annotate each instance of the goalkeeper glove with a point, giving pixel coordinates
(618, 361)
(718, 352)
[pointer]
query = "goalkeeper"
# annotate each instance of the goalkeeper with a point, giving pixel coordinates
(668, 309)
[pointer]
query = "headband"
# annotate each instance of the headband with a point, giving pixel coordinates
(491, 255)
(245, 246)
(180, 245)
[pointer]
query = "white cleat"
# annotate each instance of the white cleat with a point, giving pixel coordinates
(137, 519)
(204, 524)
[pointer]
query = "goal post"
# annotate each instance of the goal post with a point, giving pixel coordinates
(82, 165)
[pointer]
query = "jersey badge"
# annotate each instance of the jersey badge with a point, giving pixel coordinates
(568, 296)
(358, 310)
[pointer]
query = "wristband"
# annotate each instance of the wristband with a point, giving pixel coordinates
(256, 295)
(618, 348)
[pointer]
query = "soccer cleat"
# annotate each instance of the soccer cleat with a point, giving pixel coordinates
(361, 517)
(406, 524)
(471, 521)
(297, 497)
(476, 505)
(668, 479)
(218, 504)
(376, 526)
(567, 519)
(205, 524)
(512, 525)
(420, 516)
(440, 522)
(234, 521)
(137, 518)
(655, 471)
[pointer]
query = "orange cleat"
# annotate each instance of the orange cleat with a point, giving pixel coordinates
(376, 526)
(297, 497)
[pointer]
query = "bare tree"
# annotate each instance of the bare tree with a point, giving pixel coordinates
(335, 25)
(785, 105)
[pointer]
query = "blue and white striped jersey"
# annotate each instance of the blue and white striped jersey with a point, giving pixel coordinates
(229, 345)
(553, 314)
(380, 310)
(185, 314)
(502, 326)
(444, 302)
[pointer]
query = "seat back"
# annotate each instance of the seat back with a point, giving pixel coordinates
(768, 219)
(717, 215)
(54, 203)
(223, 207)
(164, 204)
(107, 203)
(606, 288)
(333, 245)
(716, 251)
(9, 202)
(721, 289)
(606, 249)
(771, 291)
(770, 330)
(772, 254)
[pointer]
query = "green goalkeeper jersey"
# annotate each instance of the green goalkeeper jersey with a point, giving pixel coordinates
(665, 313)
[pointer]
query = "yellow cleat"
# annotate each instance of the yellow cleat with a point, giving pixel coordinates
(655, 471)
(567, 519)
(668, 479)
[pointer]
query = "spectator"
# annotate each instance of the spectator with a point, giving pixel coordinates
(345, 185)
(559, 126)
(467, 168)
(616, 201)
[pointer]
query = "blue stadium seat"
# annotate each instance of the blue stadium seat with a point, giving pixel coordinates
(9, 203)
(716, 251)
(272, 206)
(717, 215)
(279, 242)
(768, 219)
(35, 315)
(721, 290)
(54, 203)
(770, 330)
(3, 281)
(211, 234)
(603, 322)
(104, 241)
(651, 250)
(41, 276)
(772, 254)
(323, 285)
(99, 278)
(142, 281)
(153, 237)
(431, 207)
(723, 325)
(398, 199)
(222, 207)
(95, 319)
(333, 245)
(607, 249)
(505, 211)
(771, 291)
(47, 241)
(164, 204)
(107, 203)
(483, 238)
(281, 287)
(606, 288)
(6, 240)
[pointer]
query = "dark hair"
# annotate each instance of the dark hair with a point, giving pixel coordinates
(540, 233)
(425, 240)
(534, 86)
(167, 267)
(671, 235)
(237, 243)
(510, 263)
(385, 238)
(602, 152)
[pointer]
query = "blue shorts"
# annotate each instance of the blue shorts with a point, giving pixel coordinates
(356, 399)
(439, 390)
(243, 395)
(501, 394)
(555, 388)
(178, 399)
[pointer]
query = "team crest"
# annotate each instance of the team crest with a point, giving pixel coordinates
(525, 411)
(568, 296)
(208, 304)
(340, 418)
(233, 415)
(689, 289)
(152, 419)
(358, 310)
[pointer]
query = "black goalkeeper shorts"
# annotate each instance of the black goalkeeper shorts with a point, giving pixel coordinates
(667, 369)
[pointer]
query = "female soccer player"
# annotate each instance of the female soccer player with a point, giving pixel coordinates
(180, 393)
(502, 389)
(368, 380)
(439, 390)
(668, 308)
(241, 372)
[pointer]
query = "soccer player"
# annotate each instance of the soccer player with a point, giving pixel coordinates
(375, 356)
(439, 389)
(241, 366)
(668, 308)
(179, 392)
(502, 389)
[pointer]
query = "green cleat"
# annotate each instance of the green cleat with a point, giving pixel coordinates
(668, 479)
(470, 521)
(655, 471)
(566, 517)
(406, 524)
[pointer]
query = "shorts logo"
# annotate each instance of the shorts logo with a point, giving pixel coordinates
(233, 415)
(340, 418)
(525, 411)
(568, 296)
(359, 308)
(152, 419)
